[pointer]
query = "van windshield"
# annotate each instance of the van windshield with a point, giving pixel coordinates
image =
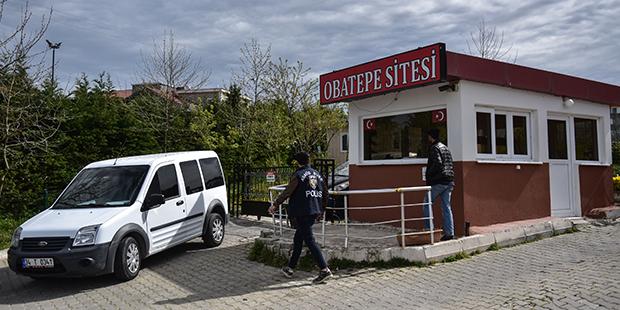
(103, 188)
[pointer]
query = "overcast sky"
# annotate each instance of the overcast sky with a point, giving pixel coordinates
(579, 38)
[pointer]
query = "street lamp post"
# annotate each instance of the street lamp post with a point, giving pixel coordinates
(54, 47)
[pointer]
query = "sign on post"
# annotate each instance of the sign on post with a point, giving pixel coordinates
(270, 176)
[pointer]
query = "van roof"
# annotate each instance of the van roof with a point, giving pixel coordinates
(151, 159)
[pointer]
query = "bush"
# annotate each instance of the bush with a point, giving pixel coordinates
(7, 227)
(615, 152)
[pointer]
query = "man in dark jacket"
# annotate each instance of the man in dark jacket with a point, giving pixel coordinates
(307, 194)
(440, 177)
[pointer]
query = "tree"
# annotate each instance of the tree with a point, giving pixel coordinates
(487, 43)
(162, 115)
(290, 84)
(156, 105)
(29, 118)
(311, 125)
(315, 125)
(172, 65)
(255, 63)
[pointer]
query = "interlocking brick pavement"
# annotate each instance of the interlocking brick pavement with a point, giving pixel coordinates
(574, 271)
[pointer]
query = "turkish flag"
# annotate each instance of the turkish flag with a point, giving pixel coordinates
(439, 116)
(370, 124)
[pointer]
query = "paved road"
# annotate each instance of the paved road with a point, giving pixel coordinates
(575, 271)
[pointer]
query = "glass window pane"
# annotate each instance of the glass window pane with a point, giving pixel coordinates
(586, 139)
(104, 187)
(483, 132)
(519, 133)
(344, 143)
(165, 182)
(400, 136)
(501, 138)
(191, 176)
(212, 173)
(558, 148)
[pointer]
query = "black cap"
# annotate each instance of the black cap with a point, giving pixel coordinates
(434, 133)
(302, 158)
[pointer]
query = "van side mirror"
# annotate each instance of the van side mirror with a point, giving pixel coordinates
(153, 201)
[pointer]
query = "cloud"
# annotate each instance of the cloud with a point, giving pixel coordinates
(573, 37)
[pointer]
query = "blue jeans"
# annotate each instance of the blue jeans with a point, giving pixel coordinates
(303, 234)
(445, 191)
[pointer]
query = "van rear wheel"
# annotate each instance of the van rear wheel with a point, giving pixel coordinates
(213, 232)
(128, 259)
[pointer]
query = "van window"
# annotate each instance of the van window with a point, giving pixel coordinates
(212, 172)
(191, 176)
(165, 182)
(103, 187)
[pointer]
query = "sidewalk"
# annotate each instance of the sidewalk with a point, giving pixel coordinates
(483, 237)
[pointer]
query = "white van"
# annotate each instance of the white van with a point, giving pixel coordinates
(117, 212)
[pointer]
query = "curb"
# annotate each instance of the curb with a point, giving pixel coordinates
(437, 252)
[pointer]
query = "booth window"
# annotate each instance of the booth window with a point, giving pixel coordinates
(556, 130)
(344, 142)
(502, 134)
(586, 139)
(483, 130)
(402, 136)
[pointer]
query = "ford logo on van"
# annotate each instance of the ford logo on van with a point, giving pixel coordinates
(42, 243)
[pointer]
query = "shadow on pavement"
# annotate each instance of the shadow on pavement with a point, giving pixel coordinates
(17, 289)
(217, 273)
(202, 272)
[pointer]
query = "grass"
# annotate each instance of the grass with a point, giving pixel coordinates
(455, 257)
(260, 252)
(7, 227)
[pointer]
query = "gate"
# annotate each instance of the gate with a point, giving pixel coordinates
(248, 187)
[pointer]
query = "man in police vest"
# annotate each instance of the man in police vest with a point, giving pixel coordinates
(307, 194)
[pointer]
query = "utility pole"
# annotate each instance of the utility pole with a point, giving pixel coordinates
(54, 47)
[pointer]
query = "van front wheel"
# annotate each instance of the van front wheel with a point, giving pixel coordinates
(213, 232)
(128, 259)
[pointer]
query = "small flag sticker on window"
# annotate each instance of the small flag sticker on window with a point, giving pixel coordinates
(370, 124)
(440, 116)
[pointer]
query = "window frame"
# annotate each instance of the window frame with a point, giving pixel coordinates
(204, 175)
(202, 185)
(509, 113)
(342, 135)
(401, 161)
(574, 139)
(176, 171)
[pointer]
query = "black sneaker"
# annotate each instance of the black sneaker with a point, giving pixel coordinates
(323, 275)
(445, 238)
(287, 272)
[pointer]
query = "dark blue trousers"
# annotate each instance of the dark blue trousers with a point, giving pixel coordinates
(304, 234)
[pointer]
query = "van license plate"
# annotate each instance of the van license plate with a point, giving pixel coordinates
(37, 262)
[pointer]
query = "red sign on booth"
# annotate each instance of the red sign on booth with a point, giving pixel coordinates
(422, 66)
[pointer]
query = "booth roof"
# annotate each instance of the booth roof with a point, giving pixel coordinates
(465, 67)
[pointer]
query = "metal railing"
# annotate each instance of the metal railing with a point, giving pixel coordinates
(401, 191)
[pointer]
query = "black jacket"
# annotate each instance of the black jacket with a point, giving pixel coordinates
(439, 169)
(307, 191)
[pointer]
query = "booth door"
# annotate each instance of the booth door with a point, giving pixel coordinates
(562, 168)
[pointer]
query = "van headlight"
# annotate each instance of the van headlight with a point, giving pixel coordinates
(16, 236)
(86, 236)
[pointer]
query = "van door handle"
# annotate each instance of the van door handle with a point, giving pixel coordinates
(180, 202)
